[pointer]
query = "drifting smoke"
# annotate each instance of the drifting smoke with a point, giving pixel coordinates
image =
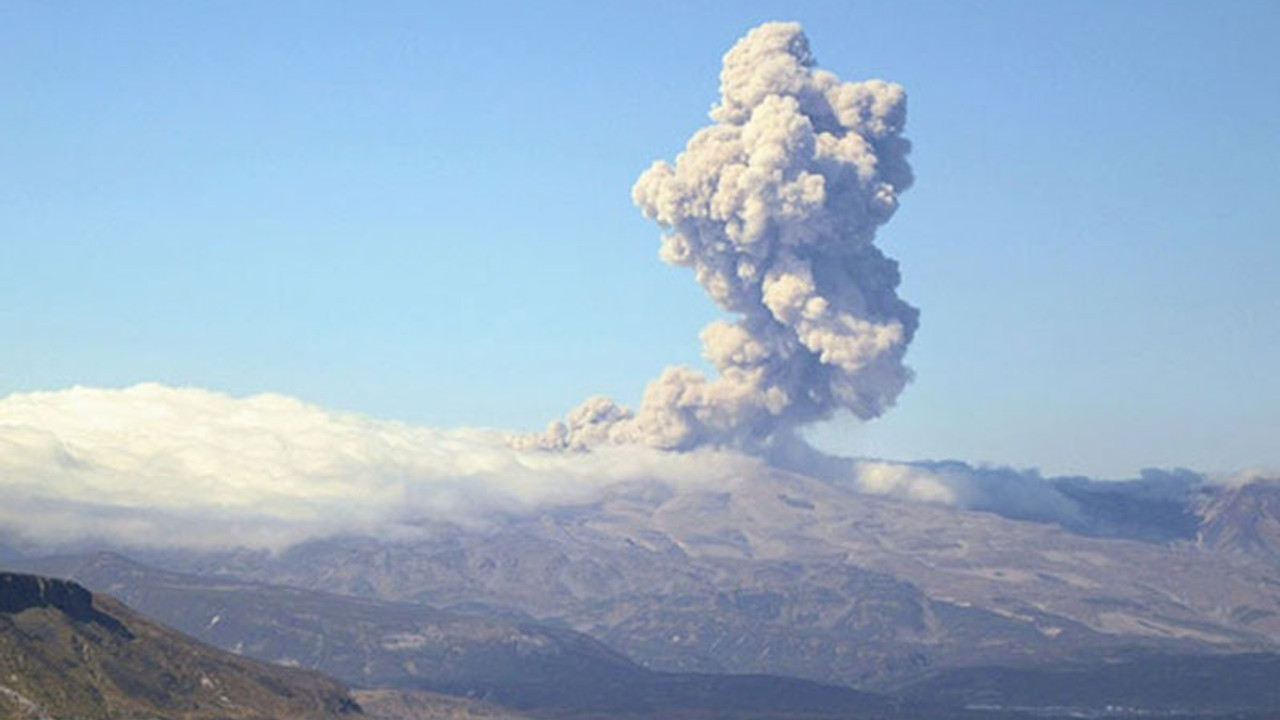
(1156, 507)
(775, 207)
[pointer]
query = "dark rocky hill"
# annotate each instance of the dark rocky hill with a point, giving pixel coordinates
(66, 653)
(364, 641)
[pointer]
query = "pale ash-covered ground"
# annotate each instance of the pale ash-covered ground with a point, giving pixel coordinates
(776, 572)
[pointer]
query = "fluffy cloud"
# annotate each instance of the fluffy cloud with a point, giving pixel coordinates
(154, 465)
(1011, 493)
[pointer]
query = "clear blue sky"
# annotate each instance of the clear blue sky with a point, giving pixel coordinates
(423, 213)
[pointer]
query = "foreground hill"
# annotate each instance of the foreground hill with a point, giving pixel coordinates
(66, 653)
(553, 671)
(364, 641)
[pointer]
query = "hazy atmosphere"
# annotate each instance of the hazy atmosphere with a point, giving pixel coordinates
(264, 261)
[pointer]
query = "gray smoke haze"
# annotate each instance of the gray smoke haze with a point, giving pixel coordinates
(1157, 506)
(775, 208)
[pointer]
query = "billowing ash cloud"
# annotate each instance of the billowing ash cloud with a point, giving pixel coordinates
(775, 208)
(159, 466)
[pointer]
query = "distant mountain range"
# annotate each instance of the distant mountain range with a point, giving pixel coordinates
(660, 600)
(782, 574)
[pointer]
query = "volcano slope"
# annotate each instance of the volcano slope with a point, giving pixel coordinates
(780, 573)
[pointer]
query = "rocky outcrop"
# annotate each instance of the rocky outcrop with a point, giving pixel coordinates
(67, 653)
(24, 592)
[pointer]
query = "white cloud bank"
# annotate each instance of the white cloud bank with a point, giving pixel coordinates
(159, 466)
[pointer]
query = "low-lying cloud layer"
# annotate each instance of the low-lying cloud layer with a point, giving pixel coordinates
(1158, 506)
(775, 207)
(159, 466)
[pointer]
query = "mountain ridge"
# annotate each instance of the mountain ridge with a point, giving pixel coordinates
(771, 574)
(785, 574)
(404, 647)
(66, 653)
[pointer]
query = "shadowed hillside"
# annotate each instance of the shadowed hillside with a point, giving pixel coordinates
(66, 653)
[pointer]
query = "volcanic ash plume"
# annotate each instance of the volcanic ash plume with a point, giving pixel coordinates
(775, 208)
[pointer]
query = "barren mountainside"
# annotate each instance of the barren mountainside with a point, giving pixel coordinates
(65, 653)
(783, 574)
(400, 650)
(773, 574)
(600, 607)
